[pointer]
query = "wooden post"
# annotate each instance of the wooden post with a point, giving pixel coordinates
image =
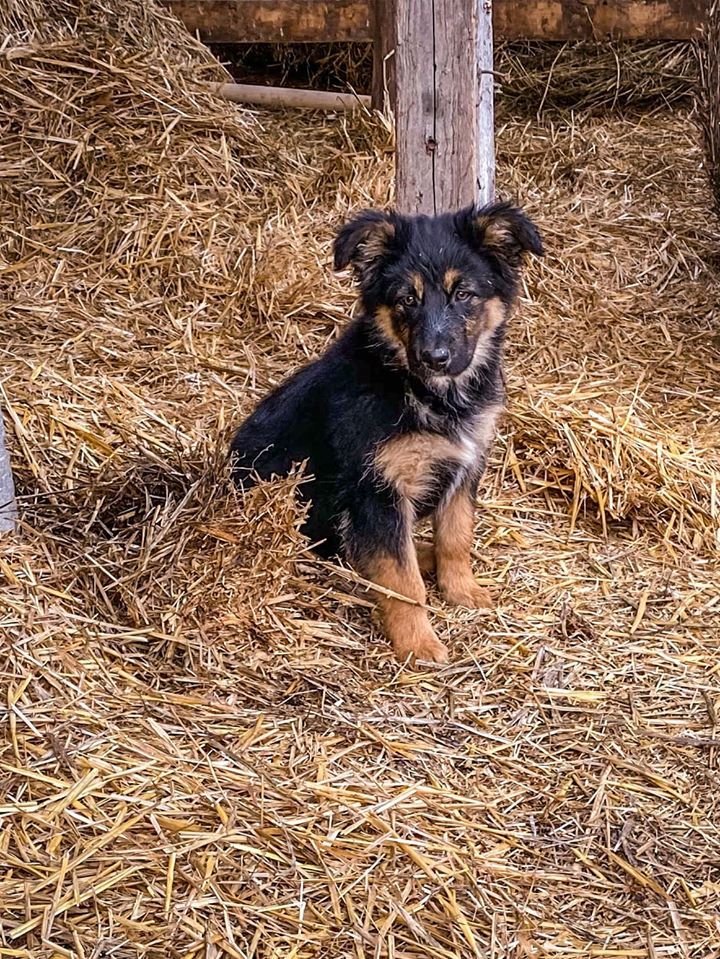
(7, 488)
(442, 97)
(383, 32)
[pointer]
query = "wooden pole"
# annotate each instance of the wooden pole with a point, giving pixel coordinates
(8, 512)
(288, 97)
(442, 96)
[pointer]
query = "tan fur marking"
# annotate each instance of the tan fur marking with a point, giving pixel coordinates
(407, 462)
(484, 427)
(496, 232)
(450, 279)
(487, 316)
(407, 626)
(386, 325)
(453, 543)
(383, 318)
(418, 285)
(495, 313)
(374, 245)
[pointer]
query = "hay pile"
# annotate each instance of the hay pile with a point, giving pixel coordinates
(594, 76)
(535, 74)
(208, 750)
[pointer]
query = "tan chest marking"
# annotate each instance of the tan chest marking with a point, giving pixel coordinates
(483, 428)
(408, 462)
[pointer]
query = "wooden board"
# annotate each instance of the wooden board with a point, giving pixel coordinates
(599, 19)
(306, 21)
(275, 21)
(443, 104)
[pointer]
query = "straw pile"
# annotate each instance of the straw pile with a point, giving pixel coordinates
(529, 74)
(708, 100)
(207, 749)
(594, 76)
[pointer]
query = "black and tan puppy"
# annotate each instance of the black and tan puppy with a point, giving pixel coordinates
(395, 420)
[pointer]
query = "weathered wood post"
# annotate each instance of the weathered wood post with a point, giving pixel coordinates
(7, 488)
(707, 100)
(435, 60)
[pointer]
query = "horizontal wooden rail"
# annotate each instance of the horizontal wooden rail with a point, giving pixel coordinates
(308, 21)
(287, 97)
(275, 21)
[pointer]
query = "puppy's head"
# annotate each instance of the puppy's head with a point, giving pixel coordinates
(438, 288)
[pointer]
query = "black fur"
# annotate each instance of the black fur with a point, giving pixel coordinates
(372, 383)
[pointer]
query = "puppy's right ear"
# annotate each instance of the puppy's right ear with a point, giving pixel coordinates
(502, 230)
(366, 240)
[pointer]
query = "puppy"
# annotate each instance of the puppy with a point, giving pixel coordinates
(395, 420)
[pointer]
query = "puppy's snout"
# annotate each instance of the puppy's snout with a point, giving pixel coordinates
(437, 358)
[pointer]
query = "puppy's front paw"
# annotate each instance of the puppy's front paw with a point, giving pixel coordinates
(466, 592)
(422, 645)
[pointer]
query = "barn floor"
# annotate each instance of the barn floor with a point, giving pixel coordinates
(207, 749)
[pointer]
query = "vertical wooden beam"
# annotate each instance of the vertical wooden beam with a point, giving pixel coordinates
(485, 105)
(442, 94)
(415, 107)
(382, 22)
(7, 488)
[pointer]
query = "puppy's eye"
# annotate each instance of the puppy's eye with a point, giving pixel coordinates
(409, 300)
(463, 295)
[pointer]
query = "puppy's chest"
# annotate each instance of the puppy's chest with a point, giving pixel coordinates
(424, 467)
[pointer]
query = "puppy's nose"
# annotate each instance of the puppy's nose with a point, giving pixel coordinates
(436, 359)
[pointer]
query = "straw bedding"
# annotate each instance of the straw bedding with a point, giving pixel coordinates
(529, 73)
(207, 749)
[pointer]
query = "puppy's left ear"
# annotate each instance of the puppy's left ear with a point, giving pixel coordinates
(365, 240)
(502, 230)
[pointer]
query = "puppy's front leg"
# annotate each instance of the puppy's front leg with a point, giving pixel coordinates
(380, 546)
(407, 626)
(454, 525)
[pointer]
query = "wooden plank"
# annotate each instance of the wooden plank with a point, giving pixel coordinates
(443, 104)
(308, 21)
(599, 19)
(275, 21)
(8, 510)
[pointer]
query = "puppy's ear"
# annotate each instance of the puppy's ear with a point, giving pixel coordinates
(365, 240)
(500, 229)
